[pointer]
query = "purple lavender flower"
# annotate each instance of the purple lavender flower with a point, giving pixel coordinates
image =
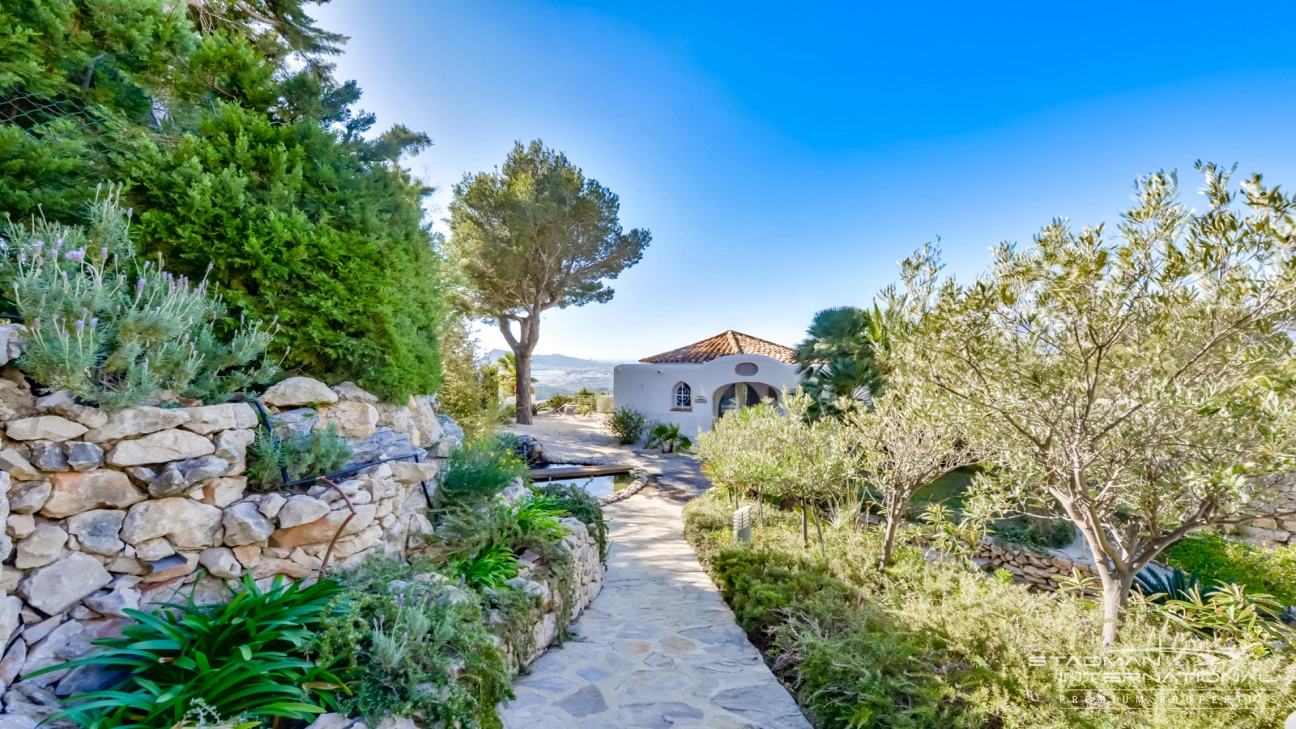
(77, 255)
(80, 326)
(36, 323)
(94, 322)
(139, 287)
(38, 246)
(58, 243)
(103, 253)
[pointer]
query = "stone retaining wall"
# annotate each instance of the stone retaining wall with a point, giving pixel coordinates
(1031, 568)
(110, 511)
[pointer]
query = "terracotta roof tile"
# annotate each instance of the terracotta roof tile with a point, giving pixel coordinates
(721, 345)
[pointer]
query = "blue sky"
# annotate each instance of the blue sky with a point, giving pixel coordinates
(786, 155)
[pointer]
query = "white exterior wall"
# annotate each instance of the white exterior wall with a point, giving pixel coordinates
(650, 388)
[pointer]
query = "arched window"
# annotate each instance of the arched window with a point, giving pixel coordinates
(682, 398)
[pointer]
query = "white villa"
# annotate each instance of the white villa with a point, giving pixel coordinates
(696, 384)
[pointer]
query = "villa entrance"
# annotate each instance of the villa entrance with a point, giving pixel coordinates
(741, 395)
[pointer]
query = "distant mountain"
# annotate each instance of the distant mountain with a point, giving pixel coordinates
(554, 361)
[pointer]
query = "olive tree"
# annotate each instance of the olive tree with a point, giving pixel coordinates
(1141, 380)
(531, 236)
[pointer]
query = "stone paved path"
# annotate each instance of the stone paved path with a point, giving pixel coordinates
(658, 647)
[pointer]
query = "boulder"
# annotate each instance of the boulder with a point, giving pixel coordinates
(248, 555)
(213, 418)
(10, 609)
(423, 410)
(160, 447)
(321, 530)
(294, 422)
(13, 661)
(17, 466)
(270, 505)
(220, 562)
(116, 600)
(99, 531)
(232, 445)
(56, 402)
(55, 588)
(151, 550)
(44, 427)
(222, 492)
(181, 477)
(11, 337)
(353, 419)
(409, 472)
(83, 456)
(133, 422)
(399, 420)
(76, 491)
(20, 525)
(42, 546)
(270, 567)
(89, 417)
(48, 455)
(297, 391)
(350, 392)
(25, 497)
(244, 524)
(301, 510)
(188, 524)
(384, 443)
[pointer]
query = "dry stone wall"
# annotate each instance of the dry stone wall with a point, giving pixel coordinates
(1044, 571)
(110, 511)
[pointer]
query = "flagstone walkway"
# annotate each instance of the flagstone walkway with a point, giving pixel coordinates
(658, 647)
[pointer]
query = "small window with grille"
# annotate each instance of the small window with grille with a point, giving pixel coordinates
(682, 397)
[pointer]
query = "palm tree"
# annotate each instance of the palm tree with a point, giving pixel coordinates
(508, 373)
(836, 359)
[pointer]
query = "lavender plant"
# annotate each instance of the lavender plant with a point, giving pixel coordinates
(114, 327)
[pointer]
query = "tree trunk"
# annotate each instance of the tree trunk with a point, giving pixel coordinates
(760, 505)
(823, 550)
(523, 384)
(1116, 592)
(805, 527)
(888, 539)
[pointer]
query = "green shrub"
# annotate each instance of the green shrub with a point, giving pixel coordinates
(667, 437)
(577, 503)
(114, 328)
(933, 644)
(627, 424)
(488, 567)
(1216, 559)
(190, 664)
(470, 391)
(478, 471)
(305, 455)
(557, 401)
(1036, 533)
(409, 643)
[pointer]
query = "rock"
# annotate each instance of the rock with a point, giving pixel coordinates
(321, 530)
(151, 550)
(98, 530)
(232, 445)
(220, 562)
(10, 610)
(76, 491)
(41, 547)
(167, 568)
(228, 416)
(270, 567)
(350, 392)
(89, 417)
(19, 469)
(160, 447)
(248, 555)
(423, 410)
(327, 721)
(64, 643)
(409, 472)
(83, 456)
(270, 505)
(181, 477)
(292, 423)
(133, 422)
(244, 524)
(25, 497)
(35, 632)
(400, 421)
(142, 475)
(57, 587)
(353, 419)
(20, 525)
(44, 427)
(301, 510)
(297, 391)
(451, 429)
(84, 679)
(384, 443)
(48, 456)
(188, 524)
(115, 601)
(127, 566)
(12, 663)
(222, 492)
(57, 402)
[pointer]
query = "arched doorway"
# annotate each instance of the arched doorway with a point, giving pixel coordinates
(741, 395)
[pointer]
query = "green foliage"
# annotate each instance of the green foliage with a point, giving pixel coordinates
(1231, 616)
(409, 643)
(479, 470)
(470, 393)
(667, 437)
(1036, 533)
(557, 401)
(836, 359)
(489, 567)
(305, 455)
(236, 147)
(932, 645)
(1216, 559)
(113, 328)
(627, 424)
(240, 660)
(577, 503)
(1157, 587)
